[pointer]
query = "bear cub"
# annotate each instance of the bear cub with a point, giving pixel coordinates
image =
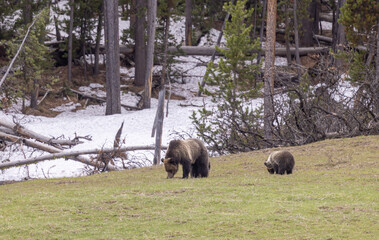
(280, 162)
(191, 154)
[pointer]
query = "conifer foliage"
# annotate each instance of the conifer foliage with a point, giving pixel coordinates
(34, 61)
(361, 22)
(229, 125)
(359, 19)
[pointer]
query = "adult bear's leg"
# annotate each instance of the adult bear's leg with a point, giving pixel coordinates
(204, 169)
(194, 170)
(276, 169)
(186, 169)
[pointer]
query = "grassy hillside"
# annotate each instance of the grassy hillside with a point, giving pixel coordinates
(333, 194)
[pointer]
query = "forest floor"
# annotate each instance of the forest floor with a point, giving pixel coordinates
(60, 93)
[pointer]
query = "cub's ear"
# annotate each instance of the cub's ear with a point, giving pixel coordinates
(162, 159)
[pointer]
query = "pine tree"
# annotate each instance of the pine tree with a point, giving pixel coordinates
(361, 22)
(86, 20)
(359, 18)
(228, 127)
(34, 60)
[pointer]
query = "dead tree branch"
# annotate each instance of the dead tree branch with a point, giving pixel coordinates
(73, 155)
(17, 128)
(49, 149)
(101, 100)
(28, 142)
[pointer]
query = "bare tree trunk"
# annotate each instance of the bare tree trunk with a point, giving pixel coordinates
(335, 15)
(158, 126)
(97, 44)
(34, 94)
(340, 40)
(57, 32)
(371, 48)
(27, 14)
(297, 44)
(287, 36)
(113, 57)
(341, 35)
(140, 44)
(310, 24)
(255, 19)
(83, 42)
(215, 51)
(151, 22)
(158, 123)
(69, 59)
(376, 81)
(188, 30)
(28, 17)
(269, 73)
(133, 16)
(261, 31)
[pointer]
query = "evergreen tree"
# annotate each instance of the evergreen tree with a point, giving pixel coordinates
(205, 13)
(360, 19)
(229, 126)
(33, 61)
(86, 15)
(6, 10)
(19, 13)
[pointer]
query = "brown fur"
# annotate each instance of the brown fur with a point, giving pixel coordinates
(280, 162)
(191, 154)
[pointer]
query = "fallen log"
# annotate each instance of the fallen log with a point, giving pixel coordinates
(327, 17)
(73, 154)
(323, 38)
(7, 130)
(28, 142)
(101, 100)
(31, 134)
(208, 51)
(50, 149)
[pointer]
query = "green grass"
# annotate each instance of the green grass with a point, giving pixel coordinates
(332, 194)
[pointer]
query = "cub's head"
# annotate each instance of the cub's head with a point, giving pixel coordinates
(170, 166)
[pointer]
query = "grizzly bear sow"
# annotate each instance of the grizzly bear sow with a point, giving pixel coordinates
(280, 162)
(191, 154)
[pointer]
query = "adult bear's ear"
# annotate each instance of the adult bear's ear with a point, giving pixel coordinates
(166, 160)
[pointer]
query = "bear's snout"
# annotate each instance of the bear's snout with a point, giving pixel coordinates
(170, 175)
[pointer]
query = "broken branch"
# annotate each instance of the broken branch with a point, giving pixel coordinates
(101, 100)
(74, 154)
(31, 134)
(47, 148)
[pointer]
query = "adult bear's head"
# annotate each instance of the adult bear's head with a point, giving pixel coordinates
(269, 163)
(171, 167)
